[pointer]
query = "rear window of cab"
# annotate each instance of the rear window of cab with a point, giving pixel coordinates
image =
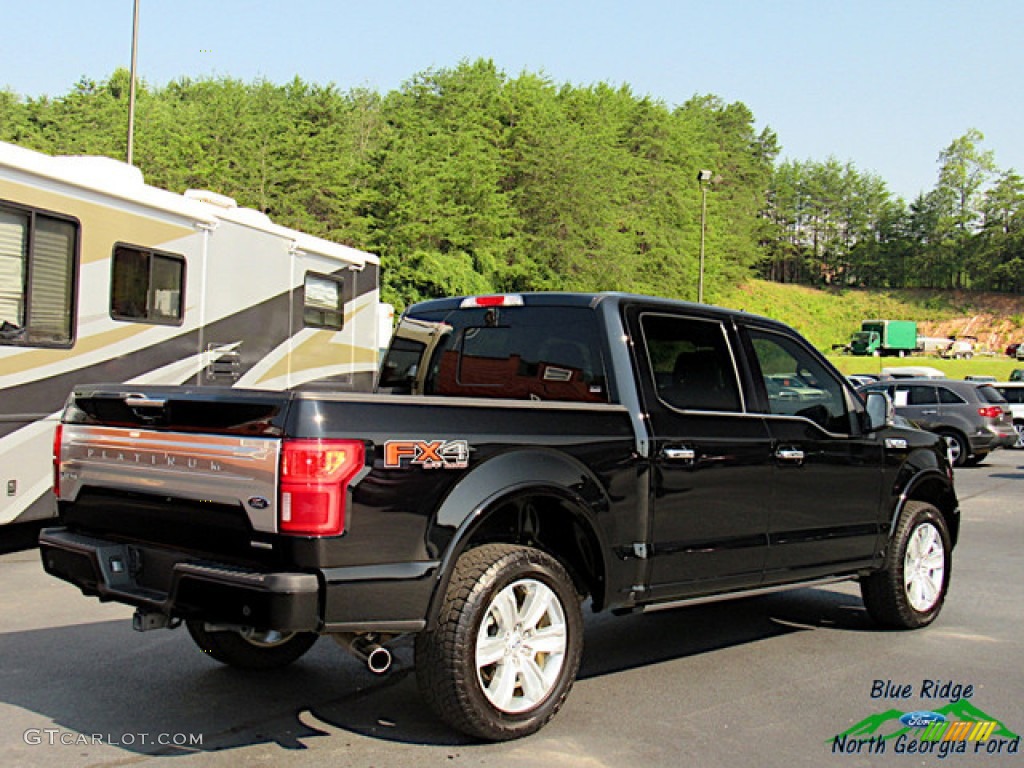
(517, 353)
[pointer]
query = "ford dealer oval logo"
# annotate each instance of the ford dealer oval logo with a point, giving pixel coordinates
(922, 719)
(258, 502)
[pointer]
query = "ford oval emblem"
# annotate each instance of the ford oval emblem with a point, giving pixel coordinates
(258, 502)
(922, 719)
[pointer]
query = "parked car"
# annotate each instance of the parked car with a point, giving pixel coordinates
(912, 372)
(973, 417)
(1013, 391)
(1011, 349)
(961, 348)
(861, 379)
(1017, 374)
(980, 377)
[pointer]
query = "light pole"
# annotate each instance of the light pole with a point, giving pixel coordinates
(703, 177)
(131, 85)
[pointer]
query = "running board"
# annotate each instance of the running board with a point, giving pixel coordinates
(757, 591)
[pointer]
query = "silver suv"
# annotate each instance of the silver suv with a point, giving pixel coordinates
(973, 417)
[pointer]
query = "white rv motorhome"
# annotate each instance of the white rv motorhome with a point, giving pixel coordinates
(106, 279)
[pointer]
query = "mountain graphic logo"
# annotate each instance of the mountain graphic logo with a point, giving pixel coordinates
(887, 725)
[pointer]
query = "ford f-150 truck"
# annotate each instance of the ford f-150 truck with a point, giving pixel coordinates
(522, 454)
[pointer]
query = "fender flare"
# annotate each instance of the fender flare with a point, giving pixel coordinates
(502, 478)
(918, 478)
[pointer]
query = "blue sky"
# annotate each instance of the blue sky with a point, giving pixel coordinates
(884, 85)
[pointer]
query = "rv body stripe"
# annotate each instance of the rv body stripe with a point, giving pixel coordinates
(107, 224)
(49, 394)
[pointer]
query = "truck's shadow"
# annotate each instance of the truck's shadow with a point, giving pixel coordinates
(105, 679)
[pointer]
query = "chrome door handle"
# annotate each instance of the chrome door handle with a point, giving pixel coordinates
(679, 454)
(928, 413)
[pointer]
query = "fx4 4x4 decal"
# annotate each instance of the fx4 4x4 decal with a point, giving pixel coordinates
(428, 454)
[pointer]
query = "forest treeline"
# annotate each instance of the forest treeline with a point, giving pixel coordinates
(466, 180)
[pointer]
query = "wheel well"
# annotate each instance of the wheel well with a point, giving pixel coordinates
(552, 524)
(941, 496)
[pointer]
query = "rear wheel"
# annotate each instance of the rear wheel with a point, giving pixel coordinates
(1019, 427)
(959, 448)
(252, 649)
(910, 591)
(506, 647)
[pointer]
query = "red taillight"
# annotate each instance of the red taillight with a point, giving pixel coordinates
(314, 481)
(57, 434)
(991, 411)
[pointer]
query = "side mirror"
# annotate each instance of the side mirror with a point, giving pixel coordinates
(880, 411)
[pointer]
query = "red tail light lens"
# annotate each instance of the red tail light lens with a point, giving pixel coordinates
(315, 475)
(991, 411)
(58, 433)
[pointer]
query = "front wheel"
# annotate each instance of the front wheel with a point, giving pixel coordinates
(505, 649)
(251, 649)
(911, 590)
(1019, 428)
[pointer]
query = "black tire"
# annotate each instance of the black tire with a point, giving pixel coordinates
(959, 447)
(464, 693)
(1019, 428)
(269, 651)
(900, 599)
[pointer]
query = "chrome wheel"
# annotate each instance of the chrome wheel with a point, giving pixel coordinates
(1019, 427)
(924, 568)
(956, 449)
(521, 646)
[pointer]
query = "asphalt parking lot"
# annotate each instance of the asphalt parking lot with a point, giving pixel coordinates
(769, 681)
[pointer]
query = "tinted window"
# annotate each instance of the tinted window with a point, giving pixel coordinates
(692, 366)
(528, 353)
(1013, 395)
(920, 395)
(146, 286)
(402, 362)
(991, 395)
(798, 384)
(949, 397)
(37, 267)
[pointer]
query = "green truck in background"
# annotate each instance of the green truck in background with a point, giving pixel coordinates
(885, 337)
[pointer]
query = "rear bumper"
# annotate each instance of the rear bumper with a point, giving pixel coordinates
(390, 598)
(182, 586)
(992, 438)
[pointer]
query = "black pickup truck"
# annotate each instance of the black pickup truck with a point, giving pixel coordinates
(522, 454)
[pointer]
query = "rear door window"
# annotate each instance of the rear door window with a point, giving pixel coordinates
(691, 363)
(949, 397)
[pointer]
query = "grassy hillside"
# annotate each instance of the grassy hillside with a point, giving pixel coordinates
(828, 317)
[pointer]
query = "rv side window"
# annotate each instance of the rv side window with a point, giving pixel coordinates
(146, 285)
(323, 306)
(37, 268)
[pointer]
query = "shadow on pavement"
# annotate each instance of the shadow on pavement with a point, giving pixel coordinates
(105, 679)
